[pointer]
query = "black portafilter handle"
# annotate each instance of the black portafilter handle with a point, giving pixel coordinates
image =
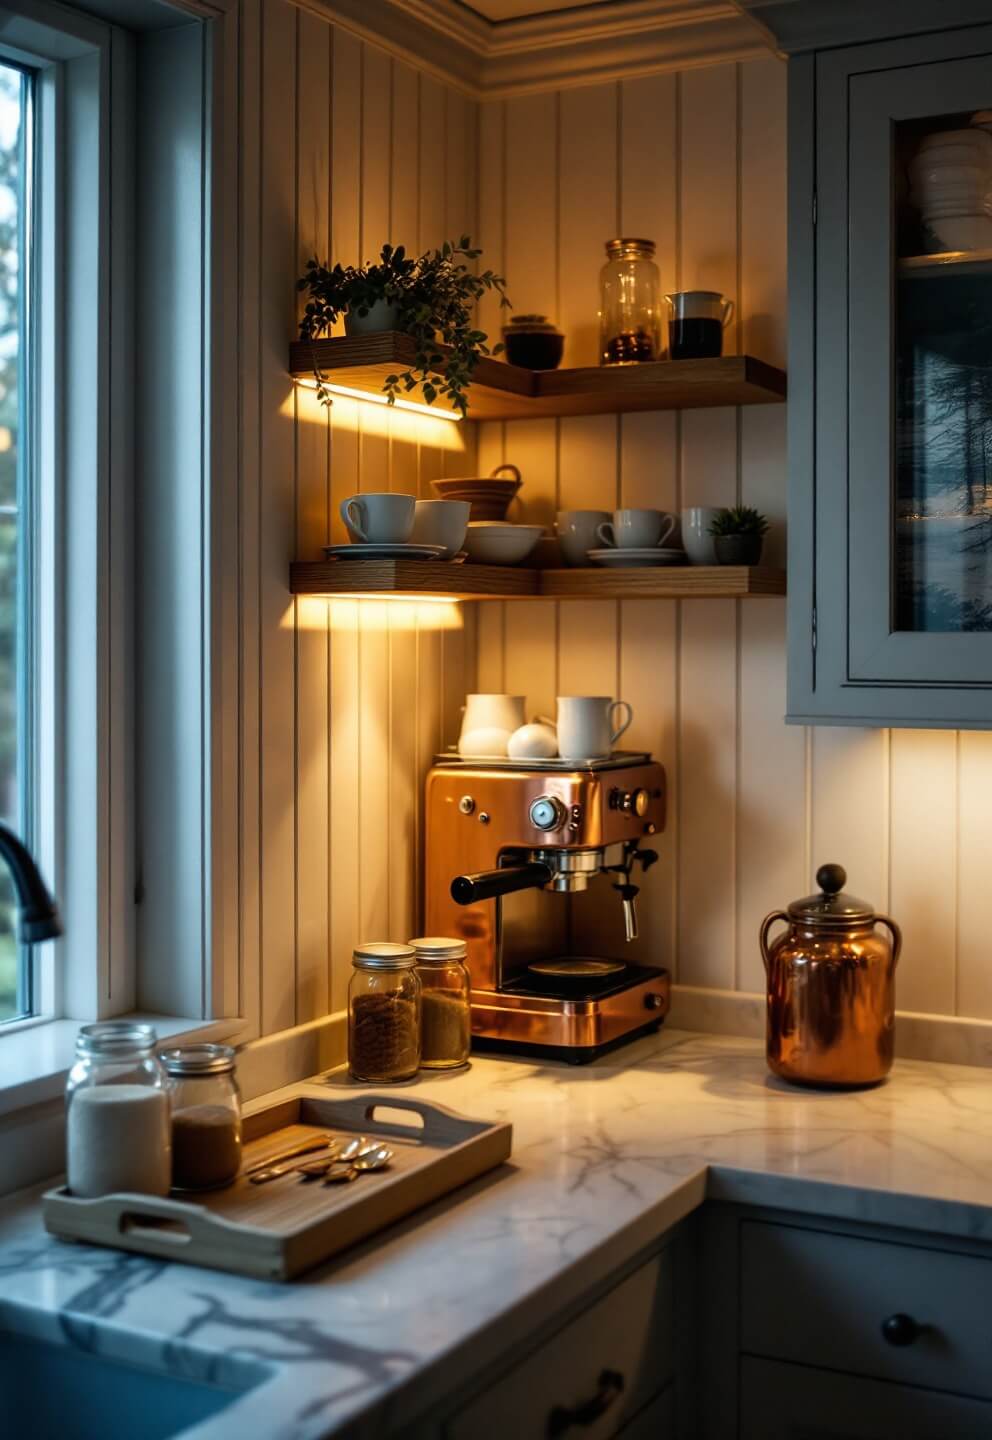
(490, 884)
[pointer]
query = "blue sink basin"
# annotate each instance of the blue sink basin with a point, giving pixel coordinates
(68, 1394)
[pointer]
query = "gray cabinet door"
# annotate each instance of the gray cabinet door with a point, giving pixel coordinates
(891, 494)
(797, 1402)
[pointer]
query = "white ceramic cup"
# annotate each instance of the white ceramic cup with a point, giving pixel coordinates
(441, 522)
(636, 529)
(578, 533)
(493, 712)
(696, 538)
(587, 725)
(378, 518)
(483, 744)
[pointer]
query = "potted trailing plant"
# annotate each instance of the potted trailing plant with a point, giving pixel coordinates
(430, 298)
(738, 534)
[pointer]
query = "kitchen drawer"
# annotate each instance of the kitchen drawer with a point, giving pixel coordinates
(796, 1402)
(822, 1299)
(627, 1333)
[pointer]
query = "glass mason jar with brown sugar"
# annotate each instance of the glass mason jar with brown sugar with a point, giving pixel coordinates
(206, 1116)
(384, 1014)
(445, 1013)
(630, 304)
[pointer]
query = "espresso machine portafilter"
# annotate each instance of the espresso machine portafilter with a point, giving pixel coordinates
(510, 852)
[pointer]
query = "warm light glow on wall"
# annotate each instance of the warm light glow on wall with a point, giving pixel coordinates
(415, 407)
(425, 427)
(394, 613)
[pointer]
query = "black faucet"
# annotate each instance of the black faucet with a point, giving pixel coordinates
(38, 914)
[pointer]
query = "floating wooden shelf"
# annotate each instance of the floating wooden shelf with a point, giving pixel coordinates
(413, 579)
(506, 392)
(947, 262)
(675, 582)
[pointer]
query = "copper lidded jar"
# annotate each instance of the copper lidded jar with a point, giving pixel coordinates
(831, 988)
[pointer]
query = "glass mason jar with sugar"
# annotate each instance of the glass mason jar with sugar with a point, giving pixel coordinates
(445, 1014)
(117, 1113)
(206, 1116)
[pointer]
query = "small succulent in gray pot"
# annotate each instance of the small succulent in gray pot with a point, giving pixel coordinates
(738, 534)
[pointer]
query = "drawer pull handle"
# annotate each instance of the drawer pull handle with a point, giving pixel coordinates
(587, 1412)
(901, 1329)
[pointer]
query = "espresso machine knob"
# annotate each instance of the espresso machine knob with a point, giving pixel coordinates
(547, 813)
(632, 802)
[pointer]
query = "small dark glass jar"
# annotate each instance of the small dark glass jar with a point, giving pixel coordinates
(533, 342)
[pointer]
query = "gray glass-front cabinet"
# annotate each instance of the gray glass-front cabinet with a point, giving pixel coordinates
(890, 382)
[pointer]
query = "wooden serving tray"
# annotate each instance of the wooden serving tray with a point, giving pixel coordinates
(278, 1230)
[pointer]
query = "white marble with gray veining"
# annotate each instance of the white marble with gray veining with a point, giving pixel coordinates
(605, 1158)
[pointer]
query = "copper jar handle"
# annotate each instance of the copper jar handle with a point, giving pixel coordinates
(766, 925)
(896, 934)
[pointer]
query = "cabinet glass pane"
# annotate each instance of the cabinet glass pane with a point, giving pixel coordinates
(943, 375)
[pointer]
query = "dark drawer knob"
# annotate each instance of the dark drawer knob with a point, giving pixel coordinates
(901, 1329)
(566, 1417)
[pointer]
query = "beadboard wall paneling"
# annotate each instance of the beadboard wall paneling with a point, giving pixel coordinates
(342, 704)
(696, 161)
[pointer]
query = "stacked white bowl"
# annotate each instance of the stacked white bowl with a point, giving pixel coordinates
(952, 186)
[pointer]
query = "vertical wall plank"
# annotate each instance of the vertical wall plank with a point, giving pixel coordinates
(346, 107)
(709, 680)
(923, 866)
(277, 537)
(312, 531)
(249, 701)
(587, 126)
(974, 893)
(529, 205)
(849, 782)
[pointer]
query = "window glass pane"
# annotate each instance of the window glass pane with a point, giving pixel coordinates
(15, 996)
(943, 394)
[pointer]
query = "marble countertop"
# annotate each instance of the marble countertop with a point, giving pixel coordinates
(605, 1158)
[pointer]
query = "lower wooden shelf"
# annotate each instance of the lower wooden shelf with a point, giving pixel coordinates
(426, 579)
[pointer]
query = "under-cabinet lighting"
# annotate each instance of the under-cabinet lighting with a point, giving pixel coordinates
(413, 406)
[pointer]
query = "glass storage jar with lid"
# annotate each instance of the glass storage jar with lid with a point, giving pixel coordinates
(117, 1113)
(206, 1116)
(630, 304)
(445, 1013)
(384, 1013)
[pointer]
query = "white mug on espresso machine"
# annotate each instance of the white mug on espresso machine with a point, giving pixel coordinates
(588, 725)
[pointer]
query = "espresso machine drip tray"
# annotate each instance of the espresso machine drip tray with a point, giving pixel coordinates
(451, 760)
(556, 980)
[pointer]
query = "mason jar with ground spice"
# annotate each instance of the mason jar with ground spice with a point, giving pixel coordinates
(445, 1014)
(384, 1014)
(206, 1116)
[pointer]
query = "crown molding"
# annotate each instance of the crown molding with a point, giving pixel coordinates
(794, 26)
(615, 40)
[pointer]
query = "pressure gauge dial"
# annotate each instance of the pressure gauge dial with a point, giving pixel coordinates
(547, 813)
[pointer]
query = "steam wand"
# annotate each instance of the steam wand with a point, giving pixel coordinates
(628, 893)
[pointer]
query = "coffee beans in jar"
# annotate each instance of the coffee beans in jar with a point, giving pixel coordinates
(384, 1013)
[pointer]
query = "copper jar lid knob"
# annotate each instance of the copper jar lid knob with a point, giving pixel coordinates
(831, 878)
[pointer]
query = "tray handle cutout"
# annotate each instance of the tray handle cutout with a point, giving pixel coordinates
(154, 1227)
(385, 1112)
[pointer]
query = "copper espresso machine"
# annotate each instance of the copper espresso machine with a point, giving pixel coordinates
(509, 845)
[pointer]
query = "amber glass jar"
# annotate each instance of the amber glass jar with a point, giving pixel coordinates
(384, 1014)
(445, 1013)
(831, 988)
(630, 304)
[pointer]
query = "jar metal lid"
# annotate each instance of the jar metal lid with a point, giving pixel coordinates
(832, 906)
(629, 247)
(115, 1038)
(383, 955)
(437, 947)
(203, 1059)
(530, 324)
